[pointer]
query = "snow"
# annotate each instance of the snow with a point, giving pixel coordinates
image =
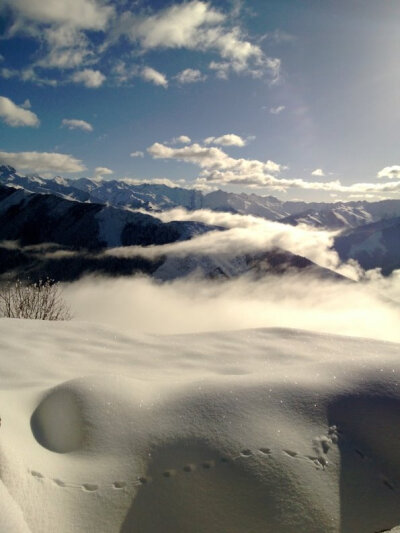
(265, 430)
(372, 244)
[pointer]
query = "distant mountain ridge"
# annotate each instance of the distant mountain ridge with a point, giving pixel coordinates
(33, 218)
(375, 245)
(45, 235)
(155, 197)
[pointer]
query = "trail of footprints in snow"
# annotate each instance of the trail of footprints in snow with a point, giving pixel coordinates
(321, 446)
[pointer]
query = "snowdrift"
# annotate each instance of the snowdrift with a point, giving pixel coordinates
(261, 431)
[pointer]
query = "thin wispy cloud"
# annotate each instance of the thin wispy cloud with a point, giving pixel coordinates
(76, 124)
(100, 172)
(277, 110)
(153, 76)
(190, 75)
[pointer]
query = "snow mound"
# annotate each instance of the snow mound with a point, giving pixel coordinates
(262, 431)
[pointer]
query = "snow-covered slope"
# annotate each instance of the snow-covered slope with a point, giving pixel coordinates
(373, 245)
(346, 215)
(268, 431)
(42, 218)
(228, 266)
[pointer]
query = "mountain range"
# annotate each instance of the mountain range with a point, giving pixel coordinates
(62, 225)
(155, 197)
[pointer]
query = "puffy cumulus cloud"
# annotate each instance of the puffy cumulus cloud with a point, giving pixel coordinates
(219, 168)
(177, 26)
(196, 25)
(138, 153)
(66, 47)
(42, 161)
(153, 76)
(88, 14)
(190, 75)
(230, 139)
(213, 160)
(276, 110)
(318, 172)
(89, 78)
(75, 124)
(15, 115)
(99, 172)
(390, 172)
(190, 306)
(182, 139)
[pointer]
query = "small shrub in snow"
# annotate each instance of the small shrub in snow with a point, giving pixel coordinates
(39, 301)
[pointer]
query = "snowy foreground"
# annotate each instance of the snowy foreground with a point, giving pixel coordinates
(257, 431)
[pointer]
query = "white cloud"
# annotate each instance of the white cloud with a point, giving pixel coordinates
(154, 181)
(15, 115)
(27, 74)
(211, 158)
(73, 124)
(42, 161)
(102, 171)
(124, 72)
(190, 75)
(90, 78)
(153, 76)
(276, 110)
(66, 46)
(196, 25)
(390, 172)
(318, 172)
(177, 26)
(138, 153)
(219, 168)
(230, 139)
(182, 139)
(88, 14)
(26, 104)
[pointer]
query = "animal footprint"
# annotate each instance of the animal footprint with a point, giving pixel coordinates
(265, 451)
(119, 485)
(246, 453)
(36, 474)
(90, 487)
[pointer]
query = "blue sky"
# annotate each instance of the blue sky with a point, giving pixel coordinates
(295, 99)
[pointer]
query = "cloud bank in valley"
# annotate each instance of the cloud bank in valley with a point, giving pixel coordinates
(140, 304)
(245, 234)
(367, 308)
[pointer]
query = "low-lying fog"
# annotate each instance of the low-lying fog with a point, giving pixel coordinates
(368, 307)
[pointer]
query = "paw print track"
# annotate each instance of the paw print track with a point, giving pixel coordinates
(90, 487)
(321, 446)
